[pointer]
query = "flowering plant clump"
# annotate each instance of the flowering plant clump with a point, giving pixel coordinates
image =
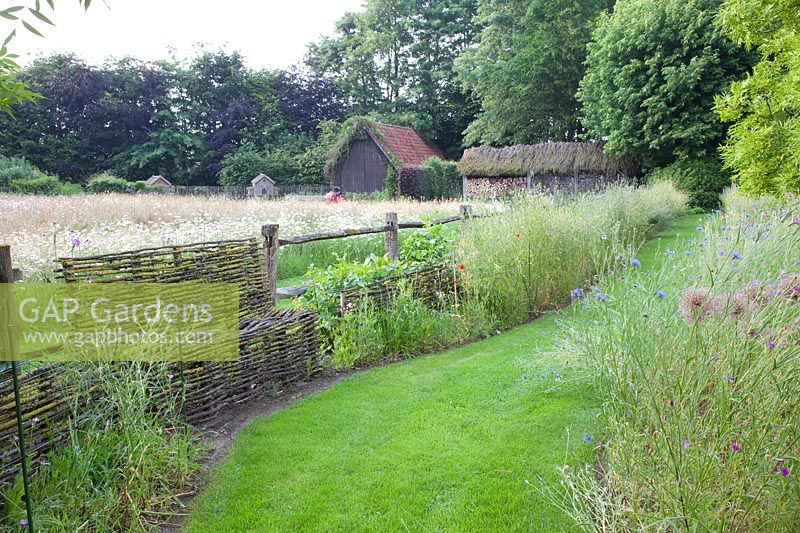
(702, 410)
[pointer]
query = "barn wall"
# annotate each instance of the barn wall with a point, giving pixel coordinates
(364, 170)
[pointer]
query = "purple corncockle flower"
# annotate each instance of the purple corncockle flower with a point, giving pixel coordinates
(685, 444)
(576, 293)
(635, 262)
(587, 438)
(736, 256)
(771, 345)
(75, 241)
(661, 294)
(735, 446)
(23, 521)
(784, 471)
(796, 220)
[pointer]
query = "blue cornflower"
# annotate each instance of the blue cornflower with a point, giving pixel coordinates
(736, 256)
(699, 228)
(576, 293)
(729, 379)
(587, 438)
(661, 294)
(600, 296)
(635, 262)
(721, 253)
(687, 253)
(670, 253)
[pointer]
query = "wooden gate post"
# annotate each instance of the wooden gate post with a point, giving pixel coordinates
(271, 243)
(390, 236)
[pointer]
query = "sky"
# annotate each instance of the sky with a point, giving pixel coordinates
(268, 33)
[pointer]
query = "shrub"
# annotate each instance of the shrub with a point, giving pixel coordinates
(44, 185)
(439, 180)
(106, 182)
(240, 166)
(16, 168)
(703, 179)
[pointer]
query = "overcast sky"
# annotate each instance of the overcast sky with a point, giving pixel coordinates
(269, 33)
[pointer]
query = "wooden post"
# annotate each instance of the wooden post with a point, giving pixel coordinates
(390, 236)
(464, 188)
(270, 232)
(11, 344)
(465, 212)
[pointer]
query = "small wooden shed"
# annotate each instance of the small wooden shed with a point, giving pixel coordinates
(374, 148)
(262, 185)
(157, 181)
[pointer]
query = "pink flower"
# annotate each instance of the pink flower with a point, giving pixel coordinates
(784, 471)
(735, 446)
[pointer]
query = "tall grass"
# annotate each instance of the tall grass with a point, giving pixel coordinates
(510, 267)
(125, 460)
(699, 364)
(527, 260)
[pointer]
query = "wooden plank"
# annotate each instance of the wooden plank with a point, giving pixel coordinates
(291, 292)
(331, 235)
(271, 244)
(391, 246)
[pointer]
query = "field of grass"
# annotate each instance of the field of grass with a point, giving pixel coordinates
(459, 441)
(40, 228)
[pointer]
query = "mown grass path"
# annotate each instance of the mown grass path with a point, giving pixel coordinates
(449, 442)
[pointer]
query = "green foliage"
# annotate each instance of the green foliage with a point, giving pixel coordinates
(124, 459)
(700, 387)
(763, 146)
(702, 179)
(107, 182)
(440, 179)
(44, 185)
(429, 246)
(16, 168)
(526, 68)
(240, 166)
(653, 69)
(395, 60)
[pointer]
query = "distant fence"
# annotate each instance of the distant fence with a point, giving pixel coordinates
(226, 191)
(276, 346)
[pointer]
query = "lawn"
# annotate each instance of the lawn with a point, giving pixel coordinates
(455, 441)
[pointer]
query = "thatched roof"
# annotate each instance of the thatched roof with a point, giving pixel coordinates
(566, 158)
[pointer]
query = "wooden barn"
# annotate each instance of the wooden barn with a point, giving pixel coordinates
(569, 167)
(362, 160)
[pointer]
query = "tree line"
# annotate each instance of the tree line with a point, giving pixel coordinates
(666, 81)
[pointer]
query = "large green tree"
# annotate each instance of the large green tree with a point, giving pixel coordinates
(395, 60)
(763, 146)
(526, 68)
(653, 69)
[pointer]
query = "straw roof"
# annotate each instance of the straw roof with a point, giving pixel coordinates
(566, 158)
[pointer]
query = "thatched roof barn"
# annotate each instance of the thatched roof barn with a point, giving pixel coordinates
(563, 165)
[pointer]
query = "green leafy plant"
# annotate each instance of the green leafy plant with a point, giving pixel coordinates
(439, 180)
(44, 185)
(107, 182)
(703, 179)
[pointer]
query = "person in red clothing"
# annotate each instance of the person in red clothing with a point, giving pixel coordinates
(334, 196)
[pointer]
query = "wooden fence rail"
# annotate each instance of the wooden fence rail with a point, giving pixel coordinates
(391, 243)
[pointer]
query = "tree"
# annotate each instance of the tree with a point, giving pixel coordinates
(763, 145)
(653, 69)
(12, 90)
(526, 69)
(239, 167)
(396, 60)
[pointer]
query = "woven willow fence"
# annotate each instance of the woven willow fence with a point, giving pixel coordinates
(275, 347)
